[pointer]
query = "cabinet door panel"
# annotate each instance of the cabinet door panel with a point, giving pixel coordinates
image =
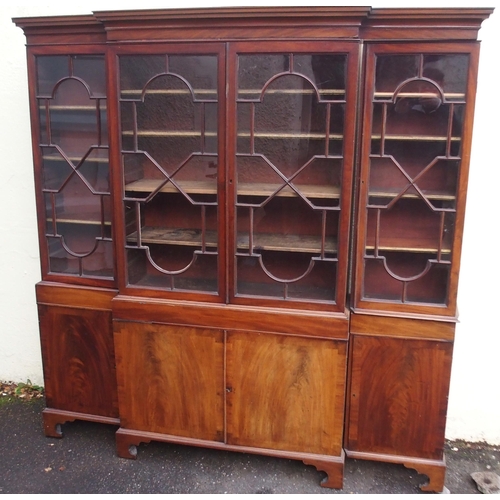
(285, 393)
(72, 164)
(294, 109)
(170, 379)
(419, 103)
(398, 396)
(78, 358)
(171, 112)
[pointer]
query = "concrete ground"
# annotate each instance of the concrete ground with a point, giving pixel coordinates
(84, 461)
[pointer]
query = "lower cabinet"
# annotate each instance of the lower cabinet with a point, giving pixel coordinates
(270, 393)
(253, 382)
(78, 355)
(259, 385)
(399, 375)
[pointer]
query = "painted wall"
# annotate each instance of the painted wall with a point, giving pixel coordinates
(474, 406)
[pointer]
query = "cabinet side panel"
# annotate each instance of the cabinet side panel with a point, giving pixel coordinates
(78, 358)
(170, 379)
(398, 396)
(285, 393)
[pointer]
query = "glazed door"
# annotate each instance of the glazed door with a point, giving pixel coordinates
(171, 109)
(71, 165)
(416, 142)
(290, 156)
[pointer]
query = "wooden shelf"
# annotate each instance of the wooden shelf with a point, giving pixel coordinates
(73, 159)
(174, 236)
(269, 135)
(255, 135)
(422, 246)
(308, 190)
(75, 220)
(417, 95)
(434, 195)
(193, 238)
(288, 243)
(190, 187)
(243, 189)
(168, 133)
(293, 91)
(415, 138)
(74, 107)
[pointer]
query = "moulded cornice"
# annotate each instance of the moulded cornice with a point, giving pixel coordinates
(60, 29)
(429, 23)
(261, 22)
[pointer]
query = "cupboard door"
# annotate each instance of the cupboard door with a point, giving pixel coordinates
(170, 379)
(285, 393)
(293, 149)
(78, 360)
(418, 112)
(72, 165)
(171, 110)
(398, 396)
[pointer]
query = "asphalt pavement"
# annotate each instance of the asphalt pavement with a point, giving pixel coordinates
(84, 461)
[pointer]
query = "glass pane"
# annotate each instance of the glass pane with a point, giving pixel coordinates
(449, 71)
(169, 119)
(290, 123)
(326, 71)
(318, 284)
(75, 167)
(91, 69)
(136, 71)
(391, 70)
(430, 288)
(162, 268)
(63, 262)
(88, 68)
(435, 182)
(254, 71)
(199, 71)
(50, 69)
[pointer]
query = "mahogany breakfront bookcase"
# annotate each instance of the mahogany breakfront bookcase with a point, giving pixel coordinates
(250, 225)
